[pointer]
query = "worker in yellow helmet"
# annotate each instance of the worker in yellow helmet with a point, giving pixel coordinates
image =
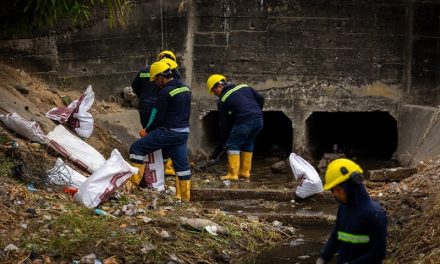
(166, 54)
(169, 130)
(168, 164)
(359, 235)
(243, 105)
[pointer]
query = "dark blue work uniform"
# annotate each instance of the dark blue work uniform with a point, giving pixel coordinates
(360, 232)
(170, 129)
(147, 93)
(243, 105)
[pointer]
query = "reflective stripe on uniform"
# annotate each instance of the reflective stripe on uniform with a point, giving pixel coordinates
(183, 173)
(144, 75)
(137, 158)
(233, 152)
(179, 90)
(352, 238)
(228, 93)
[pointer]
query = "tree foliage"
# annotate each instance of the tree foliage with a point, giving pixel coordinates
(27, 16)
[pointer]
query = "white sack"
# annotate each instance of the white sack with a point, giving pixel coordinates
(81, 120)
(154, 175)
(310, 182)
(76, 114)
(27, 129)
(101, 184)
(71, 147)
(63, 175)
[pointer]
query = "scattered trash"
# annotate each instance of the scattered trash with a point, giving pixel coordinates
(147, 247)
(31, 187)
(277, 223)
(11, 247)
(63, 175)
(28, 129)
(199, 224)
(227, 183)
(211, 230)
(89, 259)
(102, 212)
(297, 242)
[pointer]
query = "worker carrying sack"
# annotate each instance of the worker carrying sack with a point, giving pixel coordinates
(309, 181)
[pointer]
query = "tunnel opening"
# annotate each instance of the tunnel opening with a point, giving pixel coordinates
(274, 140)
(364, 135)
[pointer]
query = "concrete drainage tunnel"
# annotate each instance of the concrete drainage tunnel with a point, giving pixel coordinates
(370, 138)
(355, 79)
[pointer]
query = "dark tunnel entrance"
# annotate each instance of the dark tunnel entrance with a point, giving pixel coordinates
(356, 134)
(275, 139)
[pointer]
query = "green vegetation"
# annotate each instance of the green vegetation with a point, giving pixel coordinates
(27, 16)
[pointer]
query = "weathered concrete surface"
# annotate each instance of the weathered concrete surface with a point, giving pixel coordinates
(124, 125)
(392, 174)
(419, 130)
(303, 56)
(215, 194)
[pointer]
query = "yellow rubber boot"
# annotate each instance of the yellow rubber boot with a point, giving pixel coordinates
(245, 165)
(178, 196)
(233, 167)
(169, 169)
(137, 178)
(185, 190)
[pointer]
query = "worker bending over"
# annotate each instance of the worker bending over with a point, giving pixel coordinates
(243, 105)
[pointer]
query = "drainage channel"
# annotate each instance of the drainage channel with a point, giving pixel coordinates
(312, 219)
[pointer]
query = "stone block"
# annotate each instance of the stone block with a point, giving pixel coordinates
(391, 174)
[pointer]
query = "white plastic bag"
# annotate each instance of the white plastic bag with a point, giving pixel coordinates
(71, 147)
(81, 120)
(76, 114)
(27, 129)
(154, 175)
(310, 182)
(101, 184)
(63, 175)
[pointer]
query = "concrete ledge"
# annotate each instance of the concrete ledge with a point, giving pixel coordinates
(217, 194)
(392, 174)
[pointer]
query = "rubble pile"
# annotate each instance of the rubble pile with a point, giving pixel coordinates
(413, 207)
(43, 223)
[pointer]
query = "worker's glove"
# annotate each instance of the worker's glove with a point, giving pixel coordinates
(143, 132)
(320, 261)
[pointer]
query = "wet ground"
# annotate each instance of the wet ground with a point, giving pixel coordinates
(303, 248)
(305, 245)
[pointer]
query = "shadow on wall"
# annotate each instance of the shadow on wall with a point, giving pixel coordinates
(274, 140)
(357, 134)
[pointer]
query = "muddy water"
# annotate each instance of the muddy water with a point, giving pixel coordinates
(305, 245)
(303, 248)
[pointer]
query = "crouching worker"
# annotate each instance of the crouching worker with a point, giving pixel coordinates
(169, 130)
(243, 105)
(359, 235)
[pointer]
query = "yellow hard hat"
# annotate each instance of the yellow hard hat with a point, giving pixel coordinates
(213, 80)
(340, 170)
(170, 62)
(166, 53)
(157, 68)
